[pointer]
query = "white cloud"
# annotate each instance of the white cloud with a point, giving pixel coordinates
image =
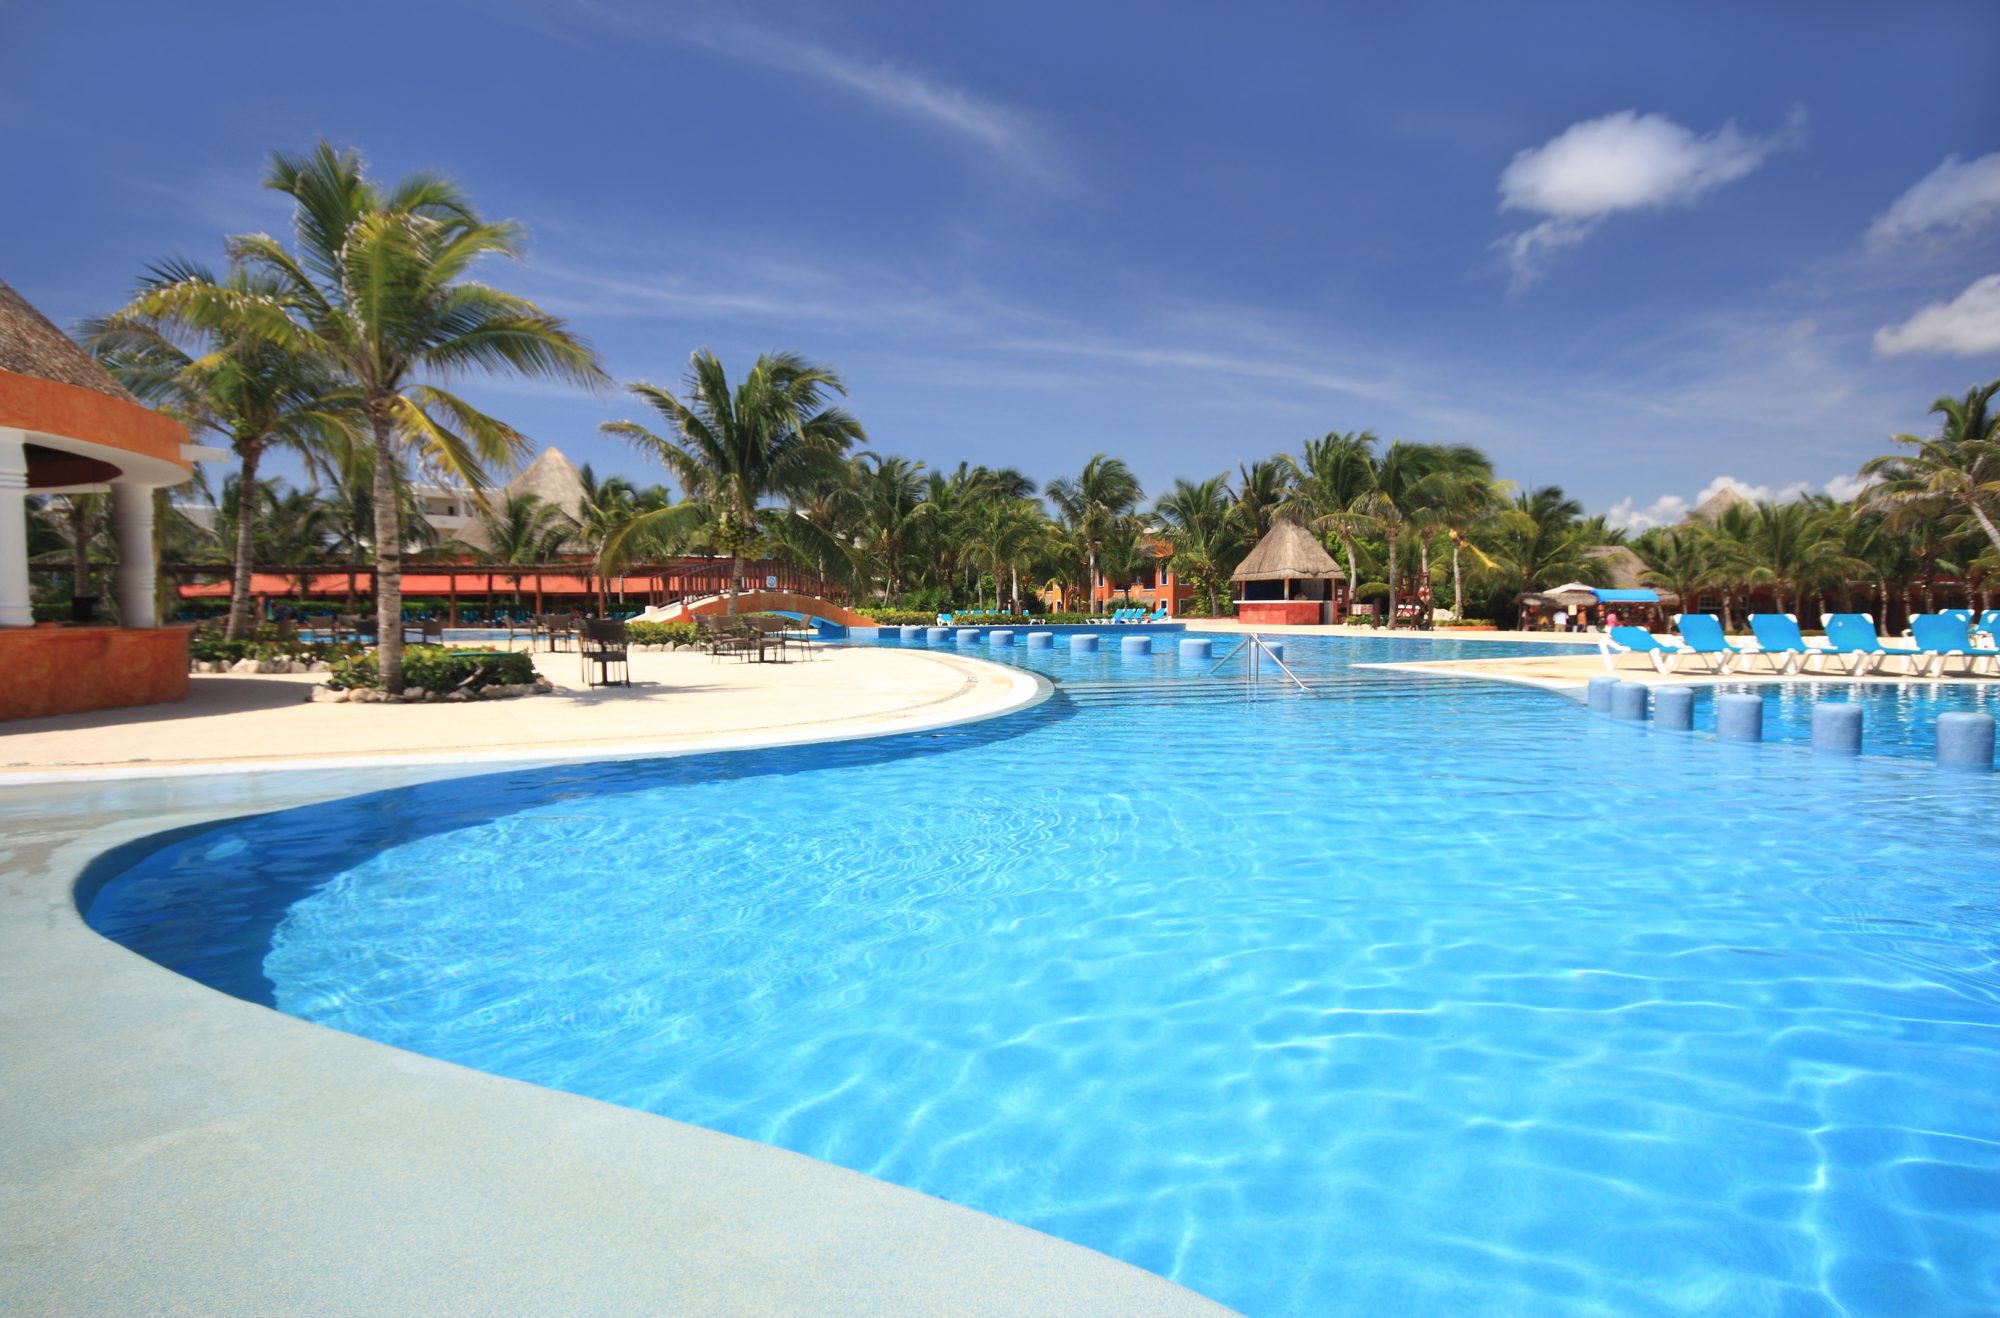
(1966, 326)
(1016, 138)
(1957, 196)
(1622, 162)
(1628, 515)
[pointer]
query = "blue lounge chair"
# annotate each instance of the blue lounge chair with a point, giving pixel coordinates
(1703, 635)
(1989, 622)
(1160, 614)
(1637, 640)
(1942, 636)
(944, 620)
(1778, 634)
(1854, 639)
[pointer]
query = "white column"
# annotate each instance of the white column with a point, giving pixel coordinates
(132, 527)
(16, 609)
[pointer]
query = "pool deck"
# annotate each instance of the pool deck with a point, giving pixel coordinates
(167, 1148)
(679, 701)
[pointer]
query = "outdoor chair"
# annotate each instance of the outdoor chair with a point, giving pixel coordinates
(1946, 635)
(1778, 635)
(603, 646)
(768, 634)
(1637, 640)
(1702, 634)
(1853, 638)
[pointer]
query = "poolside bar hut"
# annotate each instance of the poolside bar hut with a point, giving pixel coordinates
(66, 427)
(1289, 579)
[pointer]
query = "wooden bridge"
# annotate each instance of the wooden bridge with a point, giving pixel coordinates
(759, 601)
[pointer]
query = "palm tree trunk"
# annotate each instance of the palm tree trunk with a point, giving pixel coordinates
(1353, 582)
(388, 560)
(1092, 586)
(1392, 580)
(239, 594)
(1457, 583)
(735, 580)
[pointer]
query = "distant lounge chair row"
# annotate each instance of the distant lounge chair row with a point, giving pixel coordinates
(1852, 644)
(1140, 615)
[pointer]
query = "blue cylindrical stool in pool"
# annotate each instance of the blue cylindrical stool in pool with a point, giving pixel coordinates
(1041, 640)
(968, 636)
(1673, 708)
(1628, 701)
(911, 633)
(1135, 645)
(1083, 643)
(1277, 649)
(1000, 636)
(1836, 727)
(937, 635)
(1965, 741)
(1197, 649)
(1599, 698)
(1739, 717)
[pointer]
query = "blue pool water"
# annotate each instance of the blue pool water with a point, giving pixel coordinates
(1419, 997)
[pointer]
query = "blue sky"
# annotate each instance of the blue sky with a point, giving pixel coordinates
(1627, 248)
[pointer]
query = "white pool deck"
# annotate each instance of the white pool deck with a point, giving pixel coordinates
(165, 1148)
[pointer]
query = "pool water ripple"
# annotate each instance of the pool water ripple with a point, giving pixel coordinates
(1448, 999)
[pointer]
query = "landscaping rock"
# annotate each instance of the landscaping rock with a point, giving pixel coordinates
(319, 666)
(541, 688)
(362, 695)
(245, 666)
(458, 696)
(326, 695)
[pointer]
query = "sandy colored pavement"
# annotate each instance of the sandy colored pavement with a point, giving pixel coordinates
(678, 700)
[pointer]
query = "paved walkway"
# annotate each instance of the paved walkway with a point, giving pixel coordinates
(679, 700)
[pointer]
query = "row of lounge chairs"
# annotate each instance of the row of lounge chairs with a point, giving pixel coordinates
(1852, 645)
(1140, 615)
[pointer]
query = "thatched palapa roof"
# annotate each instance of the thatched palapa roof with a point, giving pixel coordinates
(552, 478)
(31, 345)
(1288, 553)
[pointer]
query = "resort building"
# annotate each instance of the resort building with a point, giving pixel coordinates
(66, 427)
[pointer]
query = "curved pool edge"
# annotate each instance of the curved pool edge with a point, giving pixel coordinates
(167, 1142)
(1023, 690)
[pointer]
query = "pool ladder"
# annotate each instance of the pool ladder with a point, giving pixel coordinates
(1253, 663)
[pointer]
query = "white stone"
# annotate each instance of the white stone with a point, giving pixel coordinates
(326, 695)
(246, 665)
(319, 666)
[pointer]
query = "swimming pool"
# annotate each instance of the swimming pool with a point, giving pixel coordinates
(1421, 996)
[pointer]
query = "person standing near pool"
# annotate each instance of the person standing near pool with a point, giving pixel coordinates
(1561, 619)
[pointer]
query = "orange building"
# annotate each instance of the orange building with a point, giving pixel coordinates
(67, 427)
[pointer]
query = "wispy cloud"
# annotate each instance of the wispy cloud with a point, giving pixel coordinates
(1957, 197)
(1621, 162)
(1966, 326)
(1014, 137)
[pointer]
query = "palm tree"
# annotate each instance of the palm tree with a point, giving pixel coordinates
(774, 435)
(1261, 491)
(1790, 546)
(1467, 503)
(1004, 531)
(893, 513)
(1404, 497)
(378, 291)
(1957, 470)
(1328, 485)
(1103, 492)
(1546, 543)
(1679, 559)
(226, 378)
(1206, 529)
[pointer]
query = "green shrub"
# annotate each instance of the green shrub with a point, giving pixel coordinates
(437, 668)
(661, 633)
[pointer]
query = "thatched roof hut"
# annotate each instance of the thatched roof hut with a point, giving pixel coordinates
(1288, 553)
(552, 478)
(31, 345)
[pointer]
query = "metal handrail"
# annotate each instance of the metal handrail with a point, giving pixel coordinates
(1259, 646)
